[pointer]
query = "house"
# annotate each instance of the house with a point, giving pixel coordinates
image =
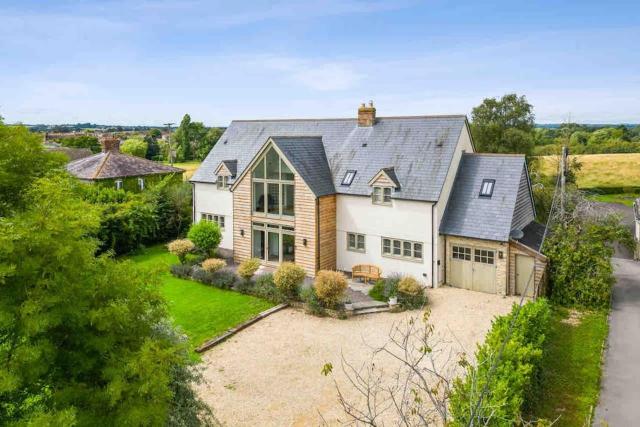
(114, 169)
(636, 232)
(407, 194)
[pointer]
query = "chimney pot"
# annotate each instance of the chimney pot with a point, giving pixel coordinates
(366, 115)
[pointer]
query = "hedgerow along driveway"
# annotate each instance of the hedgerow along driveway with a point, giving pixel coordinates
(270, 373)
(202, 311)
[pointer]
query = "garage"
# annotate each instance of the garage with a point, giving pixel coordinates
(473, 268)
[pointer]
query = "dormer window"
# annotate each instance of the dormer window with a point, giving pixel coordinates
(223, 183)
(486, 190)
(381, 195)
(348, 178)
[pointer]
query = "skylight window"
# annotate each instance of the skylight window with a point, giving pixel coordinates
(487, 187)
(348, 177)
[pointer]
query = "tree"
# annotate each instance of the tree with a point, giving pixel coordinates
(23, 159)
(153, 148)
(579, 138)
(193, 140)
(206, 236)
(82, 141)
(183, 139)
(134, 146)
(493, 118)
(85, 339)
(207, 143)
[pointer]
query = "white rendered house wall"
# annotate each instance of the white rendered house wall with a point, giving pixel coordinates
(209, 200)
(404, 219)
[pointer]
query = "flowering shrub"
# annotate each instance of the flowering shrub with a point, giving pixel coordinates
(212, 265)
(181, 248)
(247, 268)
(288, 278)
(410, 293)
(330, 287)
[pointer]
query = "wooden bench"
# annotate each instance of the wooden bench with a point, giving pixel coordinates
(366, 272)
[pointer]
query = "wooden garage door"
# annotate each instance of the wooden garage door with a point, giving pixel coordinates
(484, 270)
(524, 275)
(461, 268)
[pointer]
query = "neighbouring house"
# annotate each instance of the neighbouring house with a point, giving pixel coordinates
(111, 168)
(636, 234)
(407, 194)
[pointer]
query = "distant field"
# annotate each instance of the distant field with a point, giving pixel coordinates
(189, 167)
(601, 170)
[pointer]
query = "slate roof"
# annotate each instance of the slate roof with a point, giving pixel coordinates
(469, 215)
(533, 234)
(307, 156)
(113, 164)
(420, 150)
(232, 166)
(391, 173)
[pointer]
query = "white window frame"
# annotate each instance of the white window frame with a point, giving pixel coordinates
(486, 189)
(484, 256)
(403, 246)
(461, 253)
(357, 239)
(141, 184)
(381, 195)
(218, 219)
(119, 184)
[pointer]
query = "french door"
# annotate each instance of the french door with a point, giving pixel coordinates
(273, 243)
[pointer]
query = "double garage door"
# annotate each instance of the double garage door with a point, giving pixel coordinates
(473, 268)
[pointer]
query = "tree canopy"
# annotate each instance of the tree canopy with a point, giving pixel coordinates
(135, 147)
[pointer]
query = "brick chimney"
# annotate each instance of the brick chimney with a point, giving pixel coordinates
(367, 115)
(110, 143)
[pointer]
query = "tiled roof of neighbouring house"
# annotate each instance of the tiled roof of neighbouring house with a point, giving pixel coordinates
(420, 150)
(492, 218)
(113, 164)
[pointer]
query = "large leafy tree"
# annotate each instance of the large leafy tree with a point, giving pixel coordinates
(22, 160)
(504, 125)
(193, 140)
(135, 147)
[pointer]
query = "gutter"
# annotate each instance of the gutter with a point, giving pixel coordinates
(433, 255)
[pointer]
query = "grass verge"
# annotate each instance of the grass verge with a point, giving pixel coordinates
(570, 380)
(621, 198)
(201, 311)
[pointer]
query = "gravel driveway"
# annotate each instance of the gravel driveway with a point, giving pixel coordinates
(269, 374)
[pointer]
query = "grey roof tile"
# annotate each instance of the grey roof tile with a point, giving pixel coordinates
(419, 149)
(113, 164)
(467, 214)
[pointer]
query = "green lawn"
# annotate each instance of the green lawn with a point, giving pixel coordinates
(201, 311)
(620, 198)
(572, 361)
(189, 167)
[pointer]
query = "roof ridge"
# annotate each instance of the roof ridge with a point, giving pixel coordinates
(435, 116)
(496, 154)
(104, 161)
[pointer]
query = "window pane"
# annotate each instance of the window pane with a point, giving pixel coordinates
(352, 240)
(273, 164)
(221, 223)
(377, 197)
(258, 197)
(406, 249)
(287, 174)
(258, 172)
(273, 199)
(360, 242)
(287, 199)
(288, 248)
(396, 247)
(417, 250)
(386, 246)
(219, 182)
(387, 195)
(203, 216)
(258, 244)
(274, 247)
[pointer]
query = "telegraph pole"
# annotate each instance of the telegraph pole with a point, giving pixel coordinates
(171, 153)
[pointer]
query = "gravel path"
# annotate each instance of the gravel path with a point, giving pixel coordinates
(269, 374)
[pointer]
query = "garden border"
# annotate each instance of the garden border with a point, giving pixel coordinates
(230, 332)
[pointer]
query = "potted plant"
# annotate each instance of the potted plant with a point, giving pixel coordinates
(393, 298)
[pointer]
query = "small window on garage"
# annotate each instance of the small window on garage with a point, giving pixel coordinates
(484, 256)
(461, 252)
(487, 187)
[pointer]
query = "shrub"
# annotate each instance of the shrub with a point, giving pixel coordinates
(330, 287)
(383, 289)
(513, 380)
(224, 279)
(181, 270)
(313, 304)
(206, 236)
(247, 268)
(266, 288)
(181, 248)
(288, 278)
(201, 275)
(377, 291)
(213, 264)
(410, 293)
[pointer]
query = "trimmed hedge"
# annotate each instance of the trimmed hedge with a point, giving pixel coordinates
(515, 378)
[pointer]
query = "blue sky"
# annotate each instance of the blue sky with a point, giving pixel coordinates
(149, 62)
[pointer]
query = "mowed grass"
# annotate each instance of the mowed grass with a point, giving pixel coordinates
(572, 367)
(600, 170)
(189, 167)
(202, 311)
(619, 198)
